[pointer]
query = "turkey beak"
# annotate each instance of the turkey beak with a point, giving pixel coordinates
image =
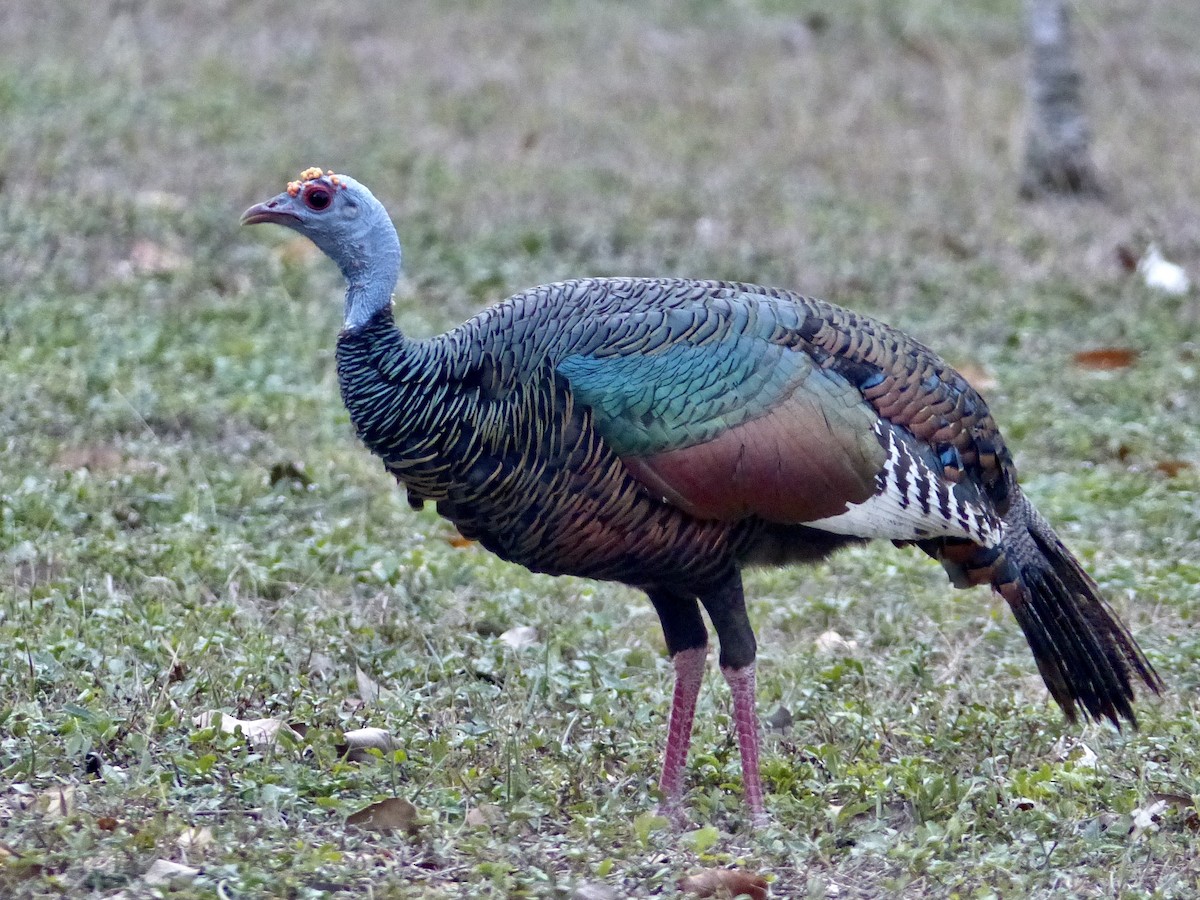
(279, 210)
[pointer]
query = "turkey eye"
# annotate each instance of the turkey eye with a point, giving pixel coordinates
(317, 199)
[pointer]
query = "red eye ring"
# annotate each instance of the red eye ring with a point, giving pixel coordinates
(318, 198)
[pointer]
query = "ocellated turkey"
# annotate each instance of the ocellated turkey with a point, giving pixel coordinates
(665, 433)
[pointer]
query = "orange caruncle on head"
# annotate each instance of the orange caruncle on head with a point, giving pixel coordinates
(312, 173)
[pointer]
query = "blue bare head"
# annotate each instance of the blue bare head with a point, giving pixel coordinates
(350, 226)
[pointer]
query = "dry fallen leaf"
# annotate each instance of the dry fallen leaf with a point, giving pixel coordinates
(484, 816)
(724, 883)
(1179, 801)
(830, 642)
(368, 688)
(458, 542)
(392, 814)
(1161, 801)
(163, 872)
(56, 803)
(259, 732)
(1106, 358)
(520, 637)
(195, 839)
(1172, 467)
(357, 743)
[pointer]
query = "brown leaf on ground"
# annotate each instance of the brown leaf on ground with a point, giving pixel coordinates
(724, 883)
(392, 814)
(1172, 467)
(94, 458)
(458, 542)
(1106, 358)
(1179, 801)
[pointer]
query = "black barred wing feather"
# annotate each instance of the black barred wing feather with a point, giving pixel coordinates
(913, 388)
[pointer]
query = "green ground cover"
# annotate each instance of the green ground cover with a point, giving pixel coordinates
(187, 524)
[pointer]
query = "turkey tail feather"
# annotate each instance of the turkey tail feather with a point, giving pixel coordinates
(1086, 655)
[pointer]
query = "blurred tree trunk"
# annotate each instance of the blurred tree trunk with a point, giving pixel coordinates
(1057, 155)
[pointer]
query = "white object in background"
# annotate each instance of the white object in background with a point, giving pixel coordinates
(1162, 275)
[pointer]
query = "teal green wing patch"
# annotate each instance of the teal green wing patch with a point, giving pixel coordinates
(726, 435)
(728, 416)
(681, 395)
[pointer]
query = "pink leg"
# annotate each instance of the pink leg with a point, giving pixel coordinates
(745, 719)
(689, 672)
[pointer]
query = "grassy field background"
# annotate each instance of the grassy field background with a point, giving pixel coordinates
(187, 524)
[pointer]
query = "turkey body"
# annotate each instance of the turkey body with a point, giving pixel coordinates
(666, 433)
(530, 447)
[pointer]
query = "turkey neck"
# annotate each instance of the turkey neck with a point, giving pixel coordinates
(393, 387)
(368, 253)
(388, 382)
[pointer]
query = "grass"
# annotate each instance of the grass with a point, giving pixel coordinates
(186, 523)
